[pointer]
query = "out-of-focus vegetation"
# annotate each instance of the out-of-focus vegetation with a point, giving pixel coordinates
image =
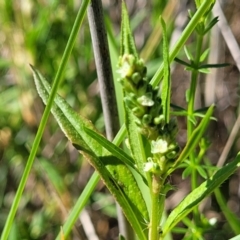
(36, 32)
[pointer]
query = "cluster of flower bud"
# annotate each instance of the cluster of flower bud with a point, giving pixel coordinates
(145, 103)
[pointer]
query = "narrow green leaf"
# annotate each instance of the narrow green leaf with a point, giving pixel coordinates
(116, 151)
(127, 41)
(204, 70)
(201, 115)
(202, 172)
(139, 149)
(188, 53)
(198, 194)
(219, 65)
(195, 138)
(192, 119)
(135, 141)
(210, 25)
(187, 171)
(190, 69)
(179, 113)
(204, 55)
(166, 85)
(178, 108)
(117, 177)
(182, 40)
(201, 110)
(182, 62)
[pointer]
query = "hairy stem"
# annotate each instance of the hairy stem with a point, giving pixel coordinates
(157, 206)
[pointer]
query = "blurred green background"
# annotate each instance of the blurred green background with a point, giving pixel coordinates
(36, 32)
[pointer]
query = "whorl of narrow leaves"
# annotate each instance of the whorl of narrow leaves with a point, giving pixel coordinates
(145, 102)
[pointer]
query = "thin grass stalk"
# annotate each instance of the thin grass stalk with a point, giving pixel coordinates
(56, 83)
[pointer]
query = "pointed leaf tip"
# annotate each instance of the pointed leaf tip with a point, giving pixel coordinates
(127, 40)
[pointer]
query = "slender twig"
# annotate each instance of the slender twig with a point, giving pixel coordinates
(104, 69)
(105, 78)
(229, 144)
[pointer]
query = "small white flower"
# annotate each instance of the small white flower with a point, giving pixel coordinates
(159, 146)
(151, 166)
(148, 166)
(146, 100)
(125, 70)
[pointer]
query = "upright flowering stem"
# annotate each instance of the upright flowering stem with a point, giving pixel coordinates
(160, 131)
(156, 195)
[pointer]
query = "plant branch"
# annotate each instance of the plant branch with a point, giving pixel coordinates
(182, 40)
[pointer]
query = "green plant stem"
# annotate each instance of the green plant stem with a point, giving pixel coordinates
(182, 40)
(190, 125)
(156, 209)
(193, 85)
(56, 83)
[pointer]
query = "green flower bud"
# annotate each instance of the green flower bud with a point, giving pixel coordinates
(140, 63)
(172, 146)
(138, 112)
(159, 120)
(146, 120)
(136, 77)
(172, 154)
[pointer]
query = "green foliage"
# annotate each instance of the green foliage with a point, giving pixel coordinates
(137, 177)
(114, 173)
(198, 194)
